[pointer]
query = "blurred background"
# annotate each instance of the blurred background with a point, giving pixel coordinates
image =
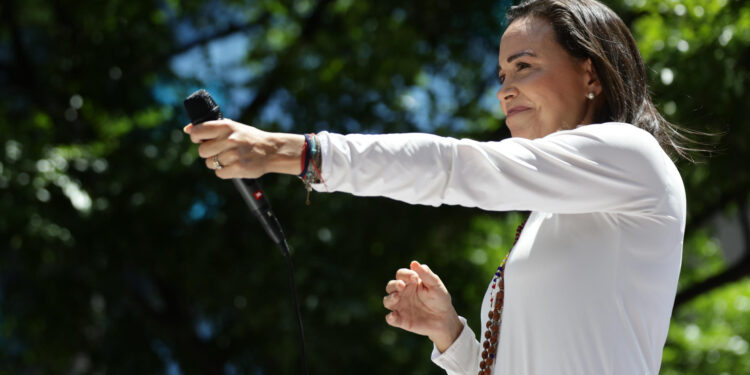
(121, 254)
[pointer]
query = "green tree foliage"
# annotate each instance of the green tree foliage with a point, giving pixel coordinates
(121, 253)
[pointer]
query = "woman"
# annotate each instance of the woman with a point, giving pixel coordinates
(590, 283)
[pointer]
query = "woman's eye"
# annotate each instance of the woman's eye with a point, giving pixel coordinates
(519, 66)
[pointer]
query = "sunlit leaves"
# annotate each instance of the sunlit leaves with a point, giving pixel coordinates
(710, 334)
(693, 49)
(109, 216)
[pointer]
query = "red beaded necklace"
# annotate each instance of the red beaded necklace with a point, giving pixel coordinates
(492, 333)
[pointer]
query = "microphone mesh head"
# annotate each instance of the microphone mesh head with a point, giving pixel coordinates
(200, 107)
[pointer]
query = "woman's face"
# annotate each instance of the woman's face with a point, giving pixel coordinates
(544, 89)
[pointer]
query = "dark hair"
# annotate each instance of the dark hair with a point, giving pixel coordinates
(588, 29)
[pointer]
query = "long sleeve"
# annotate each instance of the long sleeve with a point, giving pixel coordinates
(602, 248)
(462, 357)
(594, 168)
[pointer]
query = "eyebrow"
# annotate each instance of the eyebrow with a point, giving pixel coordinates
(517, 55)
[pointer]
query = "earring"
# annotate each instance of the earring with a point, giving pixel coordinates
(590, 96)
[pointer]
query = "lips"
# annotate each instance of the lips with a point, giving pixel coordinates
(516, 109)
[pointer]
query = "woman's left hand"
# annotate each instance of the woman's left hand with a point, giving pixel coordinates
(420, 303)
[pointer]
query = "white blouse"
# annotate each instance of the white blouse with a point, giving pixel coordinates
(591, 283)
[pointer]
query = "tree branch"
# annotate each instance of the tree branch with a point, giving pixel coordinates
(698, 219)
(160, 60)
(731, 274)
(269, 84)
(734, 273)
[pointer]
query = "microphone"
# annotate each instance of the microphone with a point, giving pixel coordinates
(200, 107)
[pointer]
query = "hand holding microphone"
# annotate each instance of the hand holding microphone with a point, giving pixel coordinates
(236, 150)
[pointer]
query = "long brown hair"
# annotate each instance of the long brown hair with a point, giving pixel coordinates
(588, 29)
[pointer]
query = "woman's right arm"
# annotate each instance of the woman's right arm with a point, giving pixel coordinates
(594, 168)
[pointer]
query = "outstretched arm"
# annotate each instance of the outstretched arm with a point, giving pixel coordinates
(615, 168)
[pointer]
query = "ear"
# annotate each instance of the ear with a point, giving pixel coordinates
(591, 79)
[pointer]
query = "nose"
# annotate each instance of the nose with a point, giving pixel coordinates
(506, 92)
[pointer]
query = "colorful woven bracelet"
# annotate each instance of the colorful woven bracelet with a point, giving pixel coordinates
(306, 156)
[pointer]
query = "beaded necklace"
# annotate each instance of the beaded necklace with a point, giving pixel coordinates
(492, 333)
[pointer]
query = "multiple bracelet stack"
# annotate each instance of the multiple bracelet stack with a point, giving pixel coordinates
(310, 163)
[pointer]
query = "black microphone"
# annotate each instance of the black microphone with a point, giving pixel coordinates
(200, 107)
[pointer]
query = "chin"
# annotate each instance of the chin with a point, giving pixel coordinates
(520, 135)
(519, 132)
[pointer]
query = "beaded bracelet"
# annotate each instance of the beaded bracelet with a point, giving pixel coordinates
(311, 172)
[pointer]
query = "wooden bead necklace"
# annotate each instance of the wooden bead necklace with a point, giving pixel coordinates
(492, 334)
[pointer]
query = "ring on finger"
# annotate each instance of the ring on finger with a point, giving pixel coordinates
(217, 165)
